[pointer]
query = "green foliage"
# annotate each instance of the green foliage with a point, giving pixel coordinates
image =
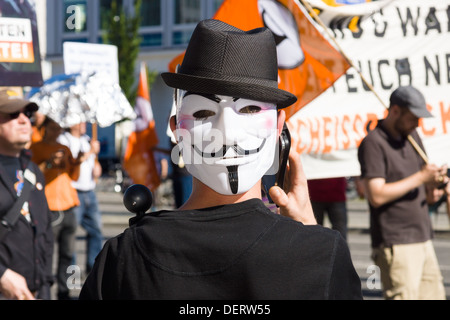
(122, 30)
(151, 76)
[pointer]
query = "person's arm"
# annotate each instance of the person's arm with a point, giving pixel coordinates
(164, 168)
(359, 186)
(94, 151)
(294, 202)
(73, 164)
(380, 192)
(447, 191)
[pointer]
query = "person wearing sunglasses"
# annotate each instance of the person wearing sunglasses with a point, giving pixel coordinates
(26, 239)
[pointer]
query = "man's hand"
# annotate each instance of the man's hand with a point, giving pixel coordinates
(14, 286)
(295, 202)
(434, 175)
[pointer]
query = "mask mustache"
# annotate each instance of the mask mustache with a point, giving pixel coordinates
(239, 151)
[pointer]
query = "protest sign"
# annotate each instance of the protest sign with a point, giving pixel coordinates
(20, 63)
(91, 57)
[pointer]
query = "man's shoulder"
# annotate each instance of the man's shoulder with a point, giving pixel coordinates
(281, 228)
(310, 232)
(374, 134)
(373, 137)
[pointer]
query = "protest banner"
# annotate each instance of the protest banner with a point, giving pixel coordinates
(404, 43)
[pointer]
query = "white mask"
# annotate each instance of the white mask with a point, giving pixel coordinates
(227, 143)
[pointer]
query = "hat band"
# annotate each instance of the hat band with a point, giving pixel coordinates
(232, 78)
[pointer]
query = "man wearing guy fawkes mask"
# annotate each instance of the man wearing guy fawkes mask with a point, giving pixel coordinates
(223, 243)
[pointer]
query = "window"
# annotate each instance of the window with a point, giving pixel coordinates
(75, 12)
(104, 11)
(164, 23)
(217, 4)
(151, 13)
(151, 23)
(187, 11)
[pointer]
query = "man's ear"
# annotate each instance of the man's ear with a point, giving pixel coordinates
(280, 121)
(395, 109)
(173, 128)
(173, 123)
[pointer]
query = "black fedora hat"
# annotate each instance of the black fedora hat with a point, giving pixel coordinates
(224, 60)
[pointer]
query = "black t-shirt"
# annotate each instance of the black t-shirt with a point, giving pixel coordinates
(238, 251)
(405, 220)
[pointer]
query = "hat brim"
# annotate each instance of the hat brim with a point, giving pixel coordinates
(15, 105)
(239, 89)
(421, 113)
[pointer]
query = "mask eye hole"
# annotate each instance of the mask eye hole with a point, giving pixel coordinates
(203, 114)
(250, 109)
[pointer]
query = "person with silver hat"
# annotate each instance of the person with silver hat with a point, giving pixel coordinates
(224, 243)
(26, 237)
(394, 177)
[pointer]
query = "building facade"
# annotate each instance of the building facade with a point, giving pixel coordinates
(166, 28)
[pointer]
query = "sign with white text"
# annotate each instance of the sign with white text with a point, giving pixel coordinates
(91, 57)
(20, 63)
(16, 40)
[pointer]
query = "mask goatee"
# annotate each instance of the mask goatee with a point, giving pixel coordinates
(233, 178)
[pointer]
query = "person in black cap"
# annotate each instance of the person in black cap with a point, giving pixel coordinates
(394, 177)
(224, 243)
(26, 237)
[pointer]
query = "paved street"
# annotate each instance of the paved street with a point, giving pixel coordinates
(115, 220)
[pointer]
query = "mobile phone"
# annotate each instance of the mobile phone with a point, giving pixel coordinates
(284, 148)
(444, 184)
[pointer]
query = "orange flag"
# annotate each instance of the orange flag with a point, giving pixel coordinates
(307, 63)
(139, 161)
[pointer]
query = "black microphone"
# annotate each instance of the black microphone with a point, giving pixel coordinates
(138, 199)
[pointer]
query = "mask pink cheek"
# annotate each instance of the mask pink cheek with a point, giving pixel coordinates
(268, 123)
(184, 123)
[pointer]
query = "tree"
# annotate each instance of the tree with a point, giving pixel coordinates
(122, 30)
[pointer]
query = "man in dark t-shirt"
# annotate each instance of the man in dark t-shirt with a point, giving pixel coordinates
(394, 175)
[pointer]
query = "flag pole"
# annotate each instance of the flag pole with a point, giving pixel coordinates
(94, 131)
(369, 85)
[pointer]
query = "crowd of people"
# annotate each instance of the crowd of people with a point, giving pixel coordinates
(222, 242)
